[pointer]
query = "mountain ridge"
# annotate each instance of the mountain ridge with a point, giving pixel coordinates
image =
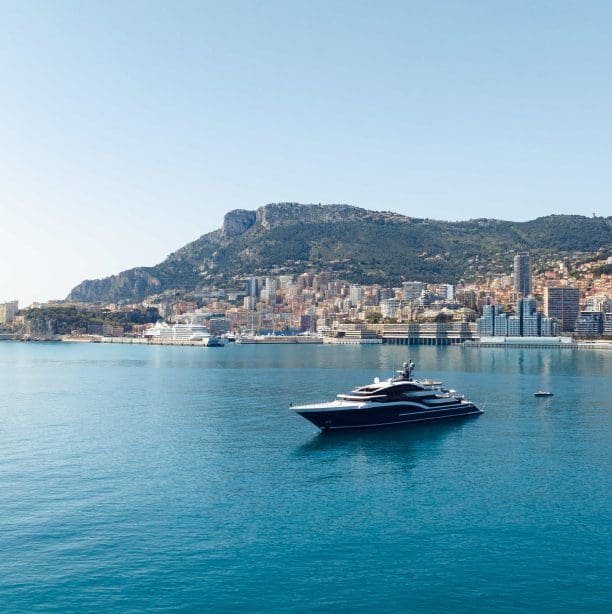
(358, 244)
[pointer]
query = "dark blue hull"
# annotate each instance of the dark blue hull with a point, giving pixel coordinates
(330, 420)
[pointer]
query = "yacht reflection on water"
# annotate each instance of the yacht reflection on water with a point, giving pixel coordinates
(396, 401)
(380, 442)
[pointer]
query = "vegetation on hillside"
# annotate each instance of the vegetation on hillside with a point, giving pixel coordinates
(57, 320)
(357, 245)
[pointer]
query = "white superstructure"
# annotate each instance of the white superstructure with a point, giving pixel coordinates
(186, 332)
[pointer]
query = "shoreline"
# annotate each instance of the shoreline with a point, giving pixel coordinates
(602, 344)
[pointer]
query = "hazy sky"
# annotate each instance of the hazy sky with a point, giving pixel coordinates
(129, 128)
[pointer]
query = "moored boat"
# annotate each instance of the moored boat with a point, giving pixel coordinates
(195, 333)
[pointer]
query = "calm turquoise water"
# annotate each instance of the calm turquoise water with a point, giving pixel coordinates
(177, 478)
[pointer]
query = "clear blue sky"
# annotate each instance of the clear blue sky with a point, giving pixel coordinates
(129, 128)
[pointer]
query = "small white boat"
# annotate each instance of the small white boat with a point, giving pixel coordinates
(542, 393)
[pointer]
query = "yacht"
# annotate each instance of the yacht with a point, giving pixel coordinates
(398, 400)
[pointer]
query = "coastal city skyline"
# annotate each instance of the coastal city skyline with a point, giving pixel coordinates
(133, 128)
(561, 299)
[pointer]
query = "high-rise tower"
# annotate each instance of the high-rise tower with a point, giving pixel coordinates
(522, 273)
(563, 304)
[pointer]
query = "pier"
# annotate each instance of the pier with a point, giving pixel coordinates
(133, 340)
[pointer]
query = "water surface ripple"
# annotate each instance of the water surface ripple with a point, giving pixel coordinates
(176, 478)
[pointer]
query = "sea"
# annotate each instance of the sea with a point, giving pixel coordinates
(155, 478)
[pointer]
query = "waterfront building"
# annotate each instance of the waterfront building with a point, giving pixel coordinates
(105, 330)
(526, 306)
(110, 330)
(522, 273)
(531, 325)
(523, 342)
(95, 329)
(353, 334)
(526, 322)
(8, 311)
(548, 327)
(485, 325)
(528, 317)
(607, 324)
(434, 333)
(514, 326)
(501, 325)
(589, 324)
(562, 303)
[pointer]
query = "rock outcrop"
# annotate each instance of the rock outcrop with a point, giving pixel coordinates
(238, 221)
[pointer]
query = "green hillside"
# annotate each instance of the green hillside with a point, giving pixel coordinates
(358, 245)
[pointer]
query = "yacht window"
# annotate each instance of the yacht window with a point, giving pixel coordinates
(408, 387)
(368, 389)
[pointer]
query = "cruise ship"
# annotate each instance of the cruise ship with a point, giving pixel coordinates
(398, 400)
(162, 331)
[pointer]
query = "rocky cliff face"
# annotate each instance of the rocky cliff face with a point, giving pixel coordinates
(238, 221)
(277, 214)
(355, 244)
(136, 283)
